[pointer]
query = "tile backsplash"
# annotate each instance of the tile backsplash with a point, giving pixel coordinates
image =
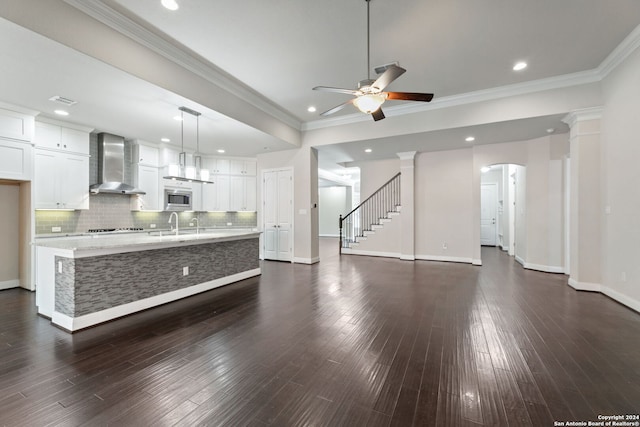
(114, 211)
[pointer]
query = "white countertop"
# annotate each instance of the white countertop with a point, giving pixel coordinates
(104, 244)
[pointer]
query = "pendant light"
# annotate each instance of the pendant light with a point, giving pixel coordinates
(182, 171)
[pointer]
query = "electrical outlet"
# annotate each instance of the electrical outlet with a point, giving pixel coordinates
(229, 224)
(56, 229)
(444, 246)
(152, 226)
(191, 224)
(60, 267)
(185, 271)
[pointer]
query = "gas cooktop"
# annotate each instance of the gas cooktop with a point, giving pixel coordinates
(112, 230)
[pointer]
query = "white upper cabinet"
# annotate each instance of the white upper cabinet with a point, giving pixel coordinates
(15, 125)
(242, 167)
(146, 155)
(16, 132)
(216, 166)
(147, 179)
(215, 197)
(56, 137)
(242, 193)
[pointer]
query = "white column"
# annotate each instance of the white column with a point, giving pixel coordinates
(407, 216)
(585, 206)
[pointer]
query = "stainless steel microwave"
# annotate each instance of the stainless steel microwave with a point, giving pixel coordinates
(177, 199)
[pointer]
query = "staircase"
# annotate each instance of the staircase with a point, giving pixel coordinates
(370, 216)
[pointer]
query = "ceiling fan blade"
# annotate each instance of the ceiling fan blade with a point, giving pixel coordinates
(392, 73)
(410, 96)
(336, 89)
(378, 114)
(337, 108)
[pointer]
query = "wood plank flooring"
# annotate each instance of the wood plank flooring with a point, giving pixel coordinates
(351, 341)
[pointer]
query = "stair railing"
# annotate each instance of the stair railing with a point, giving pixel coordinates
(368, 213)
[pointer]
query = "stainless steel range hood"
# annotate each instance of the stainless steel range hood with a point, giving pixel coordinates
(111, 167)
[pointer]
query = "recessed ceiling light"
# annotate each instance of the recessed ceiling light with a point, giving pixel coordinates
(311, 109)
(470, 139)
(368, 150)
(520, 66)
(165, 140)
(221, 151)
(61, 112)
(178, 118)
(170, 4)
(550, 130)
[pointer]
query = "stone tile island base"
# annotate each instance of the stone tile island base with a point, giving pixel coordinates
(96, 289)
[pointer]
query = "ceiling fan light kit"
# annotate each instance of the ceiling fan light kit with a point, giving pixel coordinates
(370, 94)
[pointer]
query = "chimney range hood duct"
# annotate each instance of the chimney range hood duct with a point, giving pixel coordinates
(111, 167)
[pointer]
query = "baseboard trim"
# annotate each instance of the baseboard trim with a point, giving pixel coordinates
(605, 290)
(371, 253)
(444, 258)
(520, 260)
(584, 286)
(9, 284)
(73, 324)
(328, 235)
(621, 298)
(298, 260)
(408, 257)
(476, 262)
(544, 268)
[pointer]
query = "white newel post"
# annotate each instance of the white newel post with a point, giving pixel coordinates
(407, 197)
(585, 206)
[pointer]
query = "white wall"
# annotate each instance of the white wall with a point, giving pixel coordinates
(620, 154)
(375, 174)
(333, 202)
(520, 212)
(10, 232)
(443, 205)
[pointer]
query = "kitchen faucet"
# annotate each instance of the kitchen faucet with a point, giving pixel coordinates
(197, 224)
(177, 222)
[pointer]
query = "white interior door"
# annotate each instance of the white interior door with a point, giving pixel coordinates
(278, 214)
(270, 215)
(488, 212)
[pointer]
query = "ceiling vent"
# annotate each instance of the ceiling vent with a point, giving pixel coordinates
(62, 100)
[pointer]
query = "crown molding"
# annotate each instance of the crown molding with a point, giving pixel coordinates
(181, 56)
(583, 114)
(620, 53)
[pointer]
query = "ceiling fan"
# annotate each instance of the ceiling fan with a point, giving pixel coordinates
(370, 94)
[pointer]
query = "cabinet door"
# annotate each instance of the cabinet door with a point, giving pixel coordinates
(148, 155)
(236, 196)
(196, 202)
(14, 125)
(250, 193)
(250, 167)
(223, 192)
(74, 182)
(47, 135)
(74, 140)
(15, 160)
(222, 166)
(149, 182)
(44, 179)
(236, 167)
(209, 195)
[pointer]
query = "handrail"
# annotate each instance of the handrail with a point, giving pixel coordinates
(371, 196)
(377, 206)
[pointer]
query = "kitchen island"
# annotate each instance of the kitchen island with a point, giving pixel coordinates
(86, 280)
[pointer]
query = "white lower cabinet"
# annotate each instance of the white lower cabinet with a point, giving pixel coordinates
(61, 180)
(242, 193)
(215, 197)
(147, 179)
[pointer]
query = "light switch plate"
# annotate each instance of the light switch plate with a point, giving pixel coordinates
(152, 226)
(56, 229)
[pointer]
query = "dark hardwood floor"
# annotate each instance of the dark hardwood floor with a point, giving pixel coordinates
(350, 341)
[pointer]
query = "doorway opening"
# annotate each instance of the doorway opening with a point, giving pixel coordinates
(503, 208)
(16, 228)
